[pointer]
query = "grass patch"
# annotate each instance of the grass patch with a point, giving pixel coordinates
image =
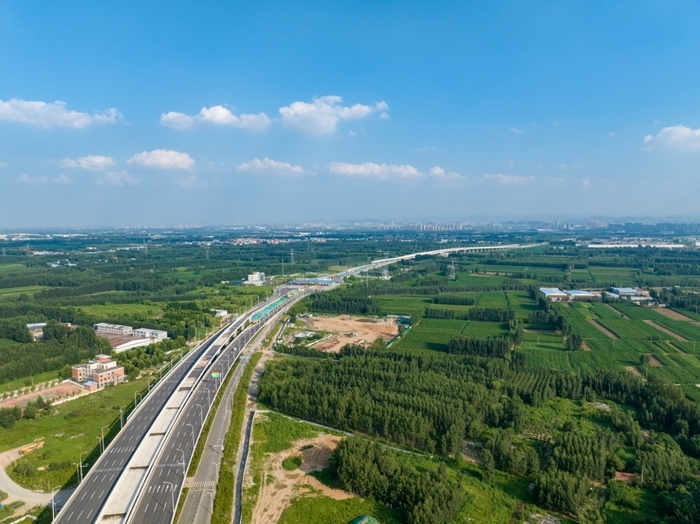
(71, 428)
(271, 434)
(292, 463)
(324, 510)
(8, 511)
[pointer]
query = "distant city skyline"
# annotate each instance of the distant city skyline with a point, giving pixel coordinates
(216, 113)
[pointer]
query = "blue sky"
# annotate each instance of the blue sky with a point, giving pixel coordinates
(158, 113)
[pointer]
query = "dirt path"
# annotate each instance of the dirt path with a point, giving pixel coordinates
(15, 491)
(634, 370)
(664, 330)
(281, 486)
(602, 329)
(674, 315)
(655, 362)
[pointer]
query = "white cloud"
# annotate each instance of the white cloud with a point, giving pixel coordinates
(92, 162)
(516, 130)
(24, 178)
(511, 163)
(563, 166)
(4, 164)
(61, 179)
(372, 170)
(189, 182)
(162, 159)
(612, 134)
(507, 180)
(54, 114)
(217, 115)
(121, 178)
(267, 165)
(439, 174)
(676, 137)
(324, 113)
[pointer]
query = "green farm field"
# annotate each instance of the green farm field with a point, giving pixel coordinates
(72, 428)
(112, 310)
(12, 292)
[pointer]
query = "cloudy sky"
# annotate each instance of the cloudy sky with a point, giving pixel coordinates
(157, 113)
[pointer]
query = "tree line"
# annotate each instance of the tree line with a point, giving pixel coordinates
(421, 497)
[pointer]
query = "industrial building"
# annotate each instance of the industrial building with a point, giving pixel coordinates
(554, 294)
(123, 338)
(577, 294)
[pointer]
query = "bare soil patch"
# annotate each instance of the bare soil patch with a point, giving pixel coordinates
(280, 486)
(602, 329)
(50, 393)
(675, 315)
(352, 330)
(634, 370)
(665, 330)
(585, 346)
(543, 331)
(655, 362)
(627, 478)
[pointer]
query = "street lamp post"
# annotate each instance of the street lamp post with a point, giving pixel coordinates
(121, 418)
(192, 428)
(172, 493)
(80, 460)
(183, 463)
(53, 503)
(102, 433)
(201, 415)
(211, 498)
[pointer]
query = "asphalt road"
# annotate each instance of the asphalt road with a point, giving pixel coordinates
(84, 506)
(159, 496)
(200, 498)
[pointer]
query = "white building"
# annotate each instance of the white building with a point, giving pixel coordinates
(255, 279)
(220, 312)
(577, 294)
(123, 338)
(151, 333)
(116, 329)
(554, 293)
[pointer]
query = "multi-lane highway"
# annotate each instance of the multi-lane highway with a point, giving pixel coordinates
(88, 502)
(88, 498)
(159, 495)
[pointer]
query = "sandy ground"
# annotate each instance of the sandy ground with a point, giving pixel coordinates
(628, 478)
(655, 362)
(602, 329)
(280, 486)
(585, 346)
(633, 370)
(675, 315)
(351, 330)
(664, 330)
(65, 388)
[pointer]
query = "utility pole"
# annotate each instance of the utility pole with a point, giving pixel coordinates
(292, 257)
